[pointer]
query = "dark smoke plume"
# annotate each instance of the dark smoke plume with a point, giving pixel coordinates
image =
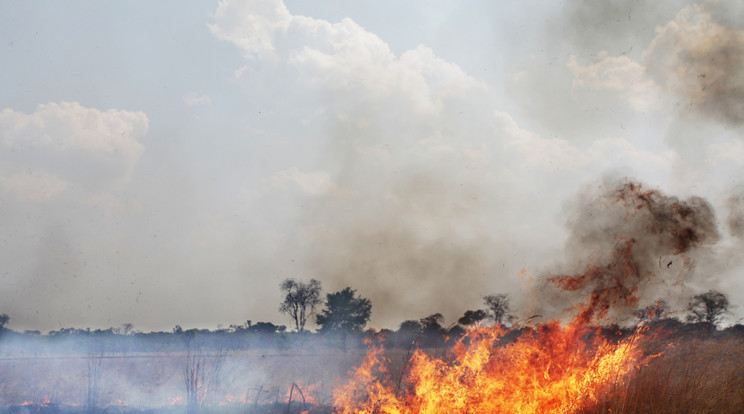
(632, 236)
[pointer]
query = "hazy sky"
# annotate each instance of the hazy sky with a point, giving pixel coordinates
(170, 162)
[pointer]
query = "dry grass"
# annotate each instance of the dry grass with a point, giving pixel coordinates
(691, 375)
(247, 378)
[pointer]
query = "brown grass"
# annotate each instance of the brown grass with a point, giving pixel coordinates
(683, 374)
(690, 375)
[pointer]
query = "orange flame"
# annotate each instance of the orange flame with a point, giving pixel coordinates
(548, 369)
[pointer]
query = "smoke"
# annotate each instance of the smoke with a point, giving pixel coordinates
(631, 244)
(698, 57)
(416, 250)
(694, 51)
(137, 372)
(735, 221)
(615, 26)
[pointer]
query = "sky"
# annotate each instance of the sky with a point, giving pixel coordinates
(172, 162)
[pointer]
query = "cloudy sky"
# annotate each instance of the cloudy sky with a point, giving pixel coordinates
(171, 162)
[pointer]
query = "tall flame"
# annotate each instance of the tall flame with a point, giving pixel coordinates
(551, 368)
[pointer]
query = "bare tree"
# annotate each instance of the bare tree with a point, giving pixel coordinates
(300, 300)
(497, 307)
(707, 307)
(126, 328)
(652, 312)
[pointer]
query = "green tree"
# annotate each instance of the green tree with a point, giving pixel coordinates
(471, 317)
(300, 300)
(345, 312)
(265, 328)
(410, 327)
(432, 324)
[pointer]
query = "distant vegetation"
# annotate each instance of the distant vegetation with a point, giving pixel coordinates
(694, 366)
(341, 322)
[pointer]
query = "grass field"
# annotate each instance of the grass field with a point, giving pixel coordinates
(686, 373)
(690, 375)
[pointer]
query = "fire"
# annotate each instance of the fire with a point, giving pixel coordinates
(45, 402)
(551, 368)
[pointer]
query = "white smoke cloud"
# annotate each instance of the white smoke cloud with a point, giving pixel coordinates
(619, 74)
(33, 186)
(340, 58)
(68, 126)
(698, 57)
(313, 183)
(194, 99)
(442, 180)
(421, 157)
(72, 142)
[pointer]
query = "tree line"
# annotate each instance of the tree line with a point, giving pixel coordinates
(341, 318)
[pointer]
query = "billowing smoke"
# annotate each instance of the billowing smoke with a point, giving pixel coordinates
(693, 50)
(630, 243)
(415, 251)
(699, 57)
(614, 26)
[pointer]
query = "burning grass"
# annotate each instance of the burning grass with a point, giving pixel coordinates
(546, 369)
(553, 369)
(667, 367)
(692, 373)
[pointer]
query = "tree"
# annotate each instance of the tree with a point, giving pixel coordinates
(265, 328)
(126, 328)
(432, 323)
(497, 308)
(4, 318)
(433, 333)
(652, 312)
(410, 327)
(344, 312)
(707, 307)
(472, 317)
(300, 300)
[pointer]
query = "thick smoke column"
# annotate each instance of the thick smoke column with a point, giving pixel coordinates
(635, 239)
